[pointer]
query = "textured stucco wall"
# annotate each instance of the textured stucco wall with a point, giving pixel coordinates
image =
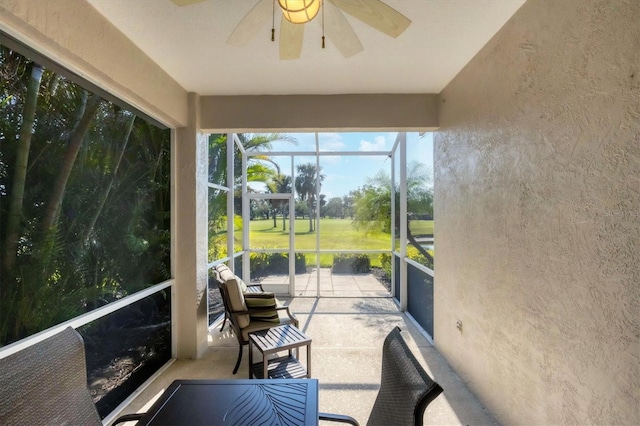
(191, 315)
(74, 34)
(537, 181)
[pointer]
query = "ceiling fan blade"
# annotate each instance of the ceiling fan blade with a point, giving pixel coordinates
(252, 23)
(186, 2)
(340, 31)
(291, 36)
(375, 14)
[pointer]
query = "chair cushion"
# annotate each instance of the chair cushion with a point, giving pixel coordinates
(263, 325)
(227, 271)
(235, 294)
(266, 302)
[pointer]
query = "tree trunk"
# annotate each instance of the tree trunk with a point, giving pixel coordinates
(105, 195)
(73, 146)
(275, 223)
(22, 161)
(284, 217)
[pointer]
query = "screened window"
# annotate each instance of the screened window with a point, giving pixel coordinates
(84, 197)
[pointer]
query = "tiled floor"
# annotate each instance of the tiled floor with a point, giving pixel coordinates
(346, 351)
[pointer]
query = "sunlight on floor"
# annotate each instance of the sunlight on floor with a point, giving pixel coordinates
(347, 341)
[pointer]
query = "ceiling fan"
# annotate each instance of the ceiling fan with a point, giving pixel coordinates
(374, 13)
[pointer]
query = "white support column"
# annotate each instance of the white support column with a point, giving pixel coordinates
(292, 248)
(394, 152)
(246, 223)
(317, 215)
(190, 235)
(403, 221)
(230, 195)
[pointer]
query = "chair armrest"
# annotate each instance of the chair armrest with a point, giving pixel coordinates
(289, 314)
(254, 288)
(128, 418)
(338, 418)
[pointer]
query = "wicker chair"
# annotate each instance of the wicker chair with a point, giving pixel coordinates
(239, 314)
(46, 384)
(405, 389)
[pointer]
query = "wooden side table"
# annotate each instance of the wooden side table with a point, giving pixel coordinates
(274, 340)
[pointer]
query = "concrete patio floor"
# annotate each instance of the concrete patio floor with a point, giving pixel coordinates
(346, 352)
(328, 284)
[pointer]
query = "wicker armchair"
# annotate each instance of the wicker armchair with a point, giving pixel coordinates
(46, 383)
(245, 319)
(405, 389)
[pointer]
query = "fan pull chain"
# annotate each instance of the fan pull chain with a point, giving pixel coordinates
(322, 5)
(273, 20)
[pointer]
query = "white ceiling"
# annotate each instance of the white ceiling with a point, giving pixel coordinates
(189, 43)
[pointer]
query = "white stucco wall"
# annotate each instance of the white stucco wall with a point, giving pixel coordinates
(74, 34)
(537, 203)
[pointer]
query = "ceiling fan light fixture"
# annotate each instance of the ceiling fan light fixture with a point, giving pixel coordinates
(299, 11)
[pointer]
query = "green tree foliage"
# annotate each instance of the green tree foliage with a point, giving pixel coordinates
(334, 208)
(280, 184)
(308, 175)
(260, 209)
(372, 203)
(260, 168)
(347, 204)
(302, 209)
(84, 199)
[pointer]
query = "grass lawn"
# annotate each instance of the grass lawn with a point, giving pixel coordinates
(335, 234)
(421, 227)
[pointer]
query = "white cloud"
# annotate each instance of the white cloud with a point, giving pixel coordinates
(331, 142)
(379, 144)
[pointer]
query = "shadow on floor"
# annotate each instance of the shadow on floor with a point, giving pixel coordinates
(347, 338)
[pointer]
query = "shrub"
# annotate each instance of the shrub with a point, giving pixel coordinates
(351, 263)
(278, 263)
(275, 263)
(385, 263)
(301, 263)
(412, 253)
(259, 264)
(416, 256)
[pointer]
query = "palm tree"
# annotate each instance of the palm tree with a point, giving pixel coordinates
(86, 111)
(280, 184)
(373, 202)
(128, 128)
(78, 168)
(308, 175)
(260, 168)
(22, 161)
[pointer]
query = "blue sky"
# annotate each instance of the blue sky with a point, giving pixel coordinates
(344, 173)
